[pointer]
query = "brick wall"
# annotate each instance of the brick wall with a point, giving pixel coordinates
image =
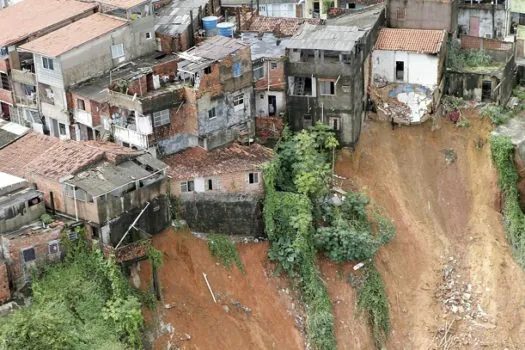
(166, 68)
(276, 76)
(4, 65)
(5, 293)
(39, 240)
(138, 86)
(236, 182)
(268, 127)
(6, 96)
(474, 42)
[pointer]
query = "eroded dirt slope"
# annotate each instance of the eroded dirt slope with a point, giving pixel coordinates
(253, 311)
(450, 277)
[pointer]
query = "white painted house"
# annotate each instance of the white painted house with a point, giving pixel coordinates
(412, 56)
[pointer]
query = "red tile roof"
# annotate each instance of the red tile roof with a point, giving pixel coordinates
(415, 40)
(51, 158)
(284, 26)
(28, 17)
(195, 162)
(74, 35)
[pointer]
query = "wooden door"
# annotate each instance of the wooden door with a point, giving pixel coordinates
(474, 26)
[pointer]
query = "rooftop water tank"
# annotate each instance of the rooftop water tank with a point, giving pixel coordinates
(210, 25)
(226, 29)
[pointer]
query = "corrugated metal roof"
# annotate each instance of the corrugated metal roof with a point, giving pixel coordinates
(414, 40)
(325, 37)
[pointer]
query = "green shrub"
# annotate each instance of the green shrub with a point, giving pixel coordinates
(497, 114)
(222, 248)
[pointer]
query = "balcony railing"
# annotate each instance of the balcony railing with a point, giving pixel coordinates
(83, 117)
(28, 101)
(24, 77)
(131, 137)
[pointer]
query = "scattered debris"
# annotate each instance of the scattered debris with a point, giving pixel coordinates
(209, 287)
(450, 155)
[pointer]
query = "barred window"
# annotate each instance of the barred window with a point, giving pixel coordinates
(161, 117)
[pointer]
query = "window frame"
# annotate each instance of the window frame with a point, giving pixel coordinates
(54, 242)
(322, 87)
(236, 69)
(258, 70)
(60, 127)
(48, 63)
(81, 104)
(28, 249)
(335, 123)
(187, 186)
(253, 178)
(210, 185)
(161, 118)
(238, 101)
(210, 112)
(116, 55)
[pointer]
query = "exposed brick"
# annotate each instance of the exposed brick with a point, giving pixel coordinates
(4, 65)
(6, 96)
(5, 293)
(268, 126)
(474, 42)
(275, 77)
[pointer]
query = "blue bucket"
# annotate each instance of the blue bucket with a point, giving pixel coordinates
(226, 29)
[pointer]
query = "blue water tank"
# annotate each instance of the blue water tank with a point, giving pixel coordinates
(210, 25)
(226, 29)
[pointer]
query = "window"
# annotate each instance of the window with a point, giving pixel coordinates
(253, 178)
(207, 70)
(302, 86)
(238, 101)
(327, 87)
(117, 50)
(62, 128)
(161, 117)
(274, 65)
(47, 63)
(401, 13)
(400, 70)
(3, 51)
(335, 123)
(187, 186)
(29, 254)
(148, 35)
(209, 185)
(236, 69)
(53, 247)
(211, 113)
(72, 235)
(33, 201)
(4, 82)
(81, 104)
(258, 70)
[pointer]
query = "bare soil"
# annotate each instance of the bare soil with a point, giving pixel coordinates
(253, 310)
(449, 274)
(441, 190)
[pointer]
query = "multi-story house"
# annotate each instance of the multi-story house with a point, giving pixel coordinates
(75, 53)
(218, 94)
(19, 24)
(328, 73)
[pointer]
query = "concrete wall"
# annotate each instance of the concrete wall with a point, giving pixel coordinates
(419, 68)
(46, 76)
(24, 215)
(94, 58)
(235, 214)
(176, 144)
(277, 10)
(153, 220)
(486, 20)
(423, 14)
(261, 102)
(517, 6)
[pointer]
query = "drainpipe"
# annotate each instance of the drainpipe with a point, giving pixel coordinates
(74, 198)
(268, 69)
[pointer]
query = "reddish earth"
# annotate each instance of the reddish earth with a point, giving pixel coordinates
(442, 192)
(442, 209)
(253, 311)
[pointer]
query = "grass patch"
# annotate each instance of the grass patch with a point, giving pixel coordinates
(372, 300)
(224, 250)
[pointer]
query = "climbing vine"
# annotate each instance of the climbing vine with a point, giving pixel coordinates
(514, 220)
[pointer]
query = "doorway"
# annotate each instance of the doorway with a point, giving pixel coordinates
(54, 127)
(272, 105)
(473, 26)
(486, 90)
(400, 70)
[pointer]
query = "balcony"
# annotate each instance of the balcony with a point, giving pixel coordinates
(131, 137)
(83, 117)
(55, 112)
(24, 77)
(6, 96)
(26, 101)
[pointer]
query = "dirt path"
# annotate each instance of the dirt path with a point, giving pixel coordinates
(253, 311)
(441, 190)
